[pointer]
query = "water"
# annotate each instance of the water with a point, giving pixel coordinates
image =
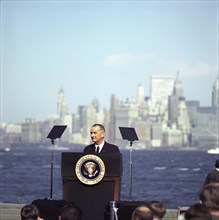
(174, 177)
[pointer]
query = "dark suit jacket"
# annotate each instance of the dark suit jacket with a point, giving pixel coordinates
(107, 148)
(213, 176)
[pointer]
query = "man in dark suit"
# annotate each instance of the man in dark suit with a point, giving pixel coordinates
(99, 144)
(213, 176)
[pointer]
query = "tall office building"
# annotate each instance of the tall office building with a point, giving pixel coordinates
(62, 108)
(30, 131)
(96, 104)
(114, 103)
(140, 94)
(183, 122)
(178, 87)
(174, 102)
(125, 116)
(161, 88)
(89, 115)
(215, 93)
(63, 115)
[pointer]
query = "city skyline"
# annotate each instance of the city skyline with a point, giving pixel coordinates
(98, 48)
(129, 100)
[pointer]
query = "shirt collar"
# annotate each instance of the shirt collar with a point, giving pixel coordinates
(100, 145)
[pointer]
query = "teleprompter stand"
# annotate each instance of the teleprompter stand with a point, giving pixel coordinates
(130, 135)
(56, 132)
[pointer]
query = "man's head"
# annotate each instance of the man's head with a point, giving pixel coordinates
(198, 211)
(158, 209)
(142, 213)
(29, 212)
(97, 132)
(209, 196)
(70, 212)
(217, 163)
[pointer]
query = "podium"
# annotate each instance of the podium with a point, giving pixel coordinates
(92, 199)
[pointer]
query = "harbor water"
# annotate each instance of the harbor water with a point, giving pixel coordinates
(171, 176)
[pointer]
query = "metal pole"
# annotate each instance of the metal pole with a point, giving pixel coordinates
(130, 175)
(51, 176)
(113, 210)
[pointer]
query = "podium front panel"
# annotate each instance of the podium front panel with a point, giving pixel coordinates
(92, 199)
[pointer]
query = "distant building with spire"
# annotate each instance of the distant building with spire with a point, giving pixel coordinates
(173, 101)
(178, 124)
(63, 114)
(215, 93)
(204, 121)
(62, 108)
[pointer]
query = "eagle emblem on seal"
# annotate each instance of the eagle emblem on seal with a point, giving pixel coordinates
(90, 169)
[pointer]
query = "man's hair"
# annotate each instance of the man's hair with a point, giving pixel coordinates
(198, 211)
(209, 195)
(70, 211)
(158, 208)
(29, 212)
(217, 163)
(100, 126)
(142, 213)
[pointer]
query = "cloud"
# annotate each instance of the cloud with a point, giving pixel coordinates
(199, 68)
(119, 59)
(146, 62)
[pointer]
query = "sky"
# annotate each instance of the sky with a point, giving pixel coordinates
(93, 49)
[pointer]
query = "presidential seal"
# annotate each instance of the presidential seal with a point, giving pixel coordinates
(90, 169)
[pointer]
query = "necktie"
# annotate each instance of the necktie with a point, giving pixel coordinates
(97, 150)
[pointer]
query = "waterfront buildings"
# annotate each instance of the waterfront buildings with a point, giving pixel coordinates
(164, 119)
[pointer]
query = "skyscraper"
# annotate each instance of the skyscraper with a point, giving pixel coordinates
(62, 108)
(140, 94)
(174, 100)
(215, 93)
(161, 88)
